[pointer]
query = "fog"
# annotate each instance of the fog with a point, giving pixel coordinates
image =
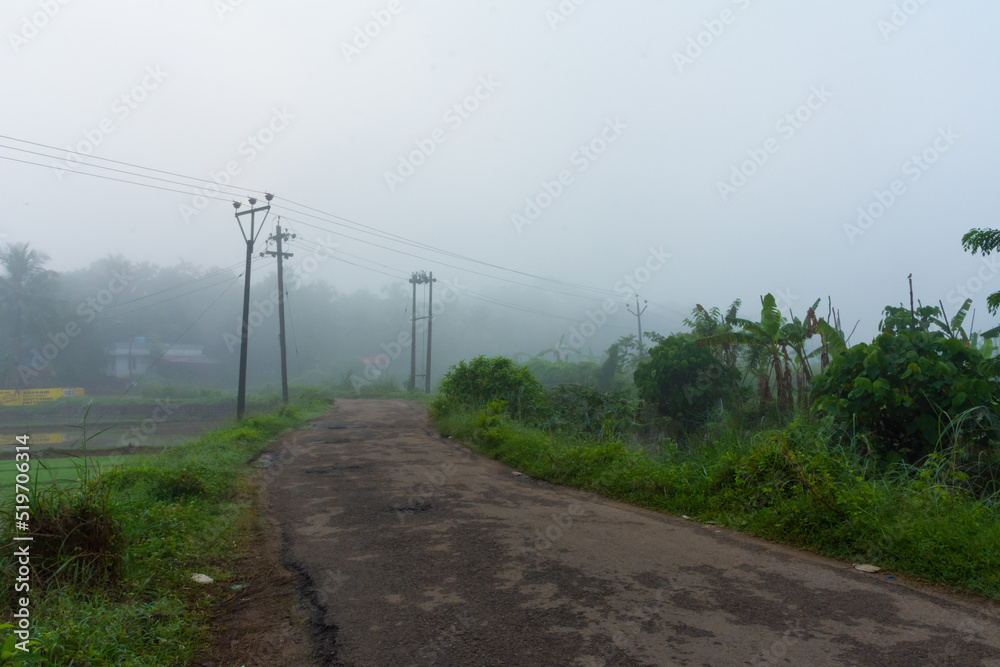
(546, 160)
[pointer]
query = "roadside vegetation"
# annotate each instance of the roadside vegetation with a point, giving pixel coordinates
(115, 548)
(884, 453)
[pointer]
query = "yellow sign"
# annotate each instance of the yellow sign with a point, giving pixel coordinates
(18, 397)
(35, 439)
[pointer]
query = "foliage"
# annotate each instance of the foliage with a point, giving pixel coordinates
(709, 323)
(984, 241)
(684, 380)
(552, 373)
(905, 389)
(484, 379)
(578, 409)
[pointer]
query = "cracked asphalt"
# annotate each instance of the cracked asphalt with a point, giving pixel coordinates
(412, 550)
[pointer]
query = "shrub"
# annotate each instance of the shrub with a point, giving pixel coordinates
(487, 379)
(553, 373)
(581, 409)
(683, 380)
(906, 389)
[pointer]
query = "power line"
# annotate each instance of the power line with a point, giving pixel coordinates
(356, 225)
(173, 287)
(111, 178)
(120, 171)
(162, 301)
(329, 218)
(183, 333)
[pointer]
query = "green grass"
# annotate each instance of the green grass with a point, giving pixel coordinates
(789, 485)
(158, 519)
(62, 471)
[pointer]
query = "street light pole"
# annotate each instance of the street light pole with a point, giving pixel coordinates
(254, 232)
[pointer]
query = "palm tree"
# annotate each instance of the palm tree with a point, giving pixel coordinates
(27, 301)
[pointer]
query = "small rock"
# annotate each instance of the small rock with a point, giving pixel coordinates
(517, 474)
(202, 579)
(263, 462)
(868, 568)
(711, 523)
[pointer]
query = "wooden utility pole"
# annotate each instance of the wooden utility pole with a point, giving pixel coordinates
(638, 314)
(278, 238)
(251, 238)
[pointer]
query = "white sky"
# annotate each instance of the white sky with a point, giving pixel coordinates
(227, 67)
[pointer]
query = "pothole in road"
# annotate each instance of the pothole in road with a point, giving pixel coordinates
(415, 507)
(327, 469)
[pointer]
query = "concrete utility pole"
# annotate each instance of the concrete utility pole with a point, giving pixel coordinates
(241, 394)
(430, 319)
(413, 335)
(420, 278)
(638, 313)
(278, 237)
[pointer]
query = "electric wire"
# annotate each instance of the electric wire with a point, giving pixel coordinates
(183, 333)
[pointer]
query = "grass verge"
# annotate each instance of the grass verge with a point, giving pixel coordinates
(788, 485)
(113, 554)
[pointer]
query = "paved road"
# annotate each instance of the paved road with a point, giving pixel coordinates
(411, 550)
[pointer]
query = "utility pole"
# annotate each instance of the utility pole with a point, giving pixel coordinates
(430, 319)
(241, 394)
(413, 335)
(638, 313)
(420, 278)
(278, 237)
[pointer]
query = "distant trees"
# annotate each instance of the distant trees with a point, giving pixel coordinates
(28, 306)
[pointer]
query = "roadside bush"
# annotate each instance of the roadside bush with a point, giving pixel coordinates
(906, 389)
(580, 409)
(487, 379)
(554, 373)
(685, 381)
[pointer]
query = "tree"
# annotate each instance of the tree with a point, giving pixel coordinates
(984, 241)
(684, 380)
(708, 323)
(27, 305)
